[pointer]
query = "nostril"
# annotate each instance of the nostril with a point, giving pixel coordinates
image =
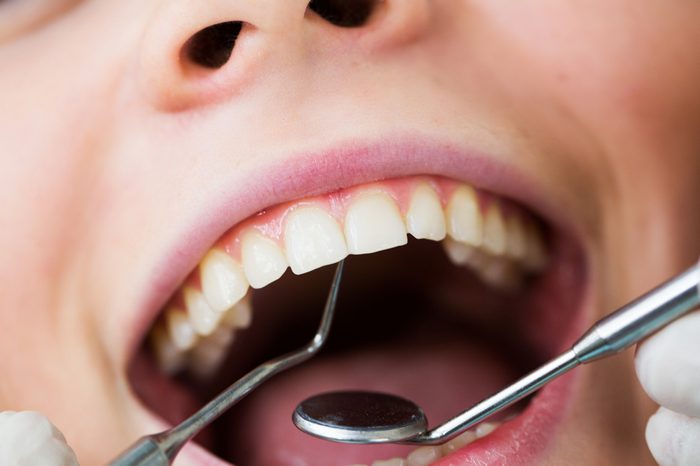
(344, 13)
(212, 46)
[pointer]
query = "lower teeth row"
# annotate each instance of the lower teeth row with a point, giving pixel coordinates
(424, 456)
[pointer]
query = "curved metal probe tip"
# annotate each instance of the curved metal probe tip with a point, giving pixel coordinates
(160, 449)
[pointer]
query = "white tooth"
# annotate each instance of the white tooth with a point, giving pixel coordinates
(536, 255)
(204, 319)
(458, 253)
(373, 223)
(494, 239)
(206, 359)
(425, 218)
(312, 239)
(517, 244)
(391, 462)
(240, 315)
(223, 280)
(168, 358)
(464, 221)
(484, 429)
(423, 456)
(464, 255)
(29, 438)
(263, 260)
(210, 353)
(458, 442)
(181, 332)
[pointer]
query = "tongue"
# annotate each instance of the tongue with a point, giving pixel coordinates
(443, 378)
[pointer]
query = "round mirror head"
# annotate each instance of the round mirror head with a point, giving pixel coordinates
(360, 417)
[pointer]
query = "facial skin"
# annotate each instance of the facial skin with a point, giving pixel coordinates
(114, 146)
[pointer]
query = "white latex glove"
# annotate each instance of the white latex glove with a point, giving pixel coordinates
(668, 366)
(28, 438)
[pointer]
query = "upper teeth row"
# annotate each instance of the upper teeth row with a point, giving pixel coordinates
(481, 236)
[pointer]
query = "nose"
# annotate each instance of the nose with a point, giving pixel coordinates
(200, 52)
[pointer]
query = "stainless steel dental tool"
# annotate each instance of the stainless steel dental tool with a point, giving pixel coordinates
(371, 417)
(161, 449)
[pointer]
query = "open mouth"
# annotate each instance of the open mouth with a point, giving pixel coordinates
(454, 293)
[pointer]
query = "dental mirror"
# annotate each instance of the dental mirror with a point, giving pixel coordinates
(360, 417)
(372, 417)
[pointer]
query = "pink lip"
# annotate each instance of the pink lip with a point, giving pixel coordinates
(356, 163)
(523, 440)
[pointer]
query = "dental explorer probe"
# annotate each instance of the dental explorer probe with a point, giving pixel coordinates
(372, 417)
(161, 449)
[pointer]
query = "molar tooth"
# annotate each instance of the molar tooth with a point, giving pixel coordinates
(223, 281)
(517, 244)
(240, 315)
(494, 238)
(263, 260)
(464, 221)
(425, 218)
(424, 456)
(312, 239)
(458, 442)
(373, 223)
(391, 462)
(168, 358)
(180, 330)
(204, 319)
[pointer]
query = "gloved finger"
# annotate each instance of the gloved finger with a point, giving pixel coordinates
(28, 437)
(674, 439)
(668, 366)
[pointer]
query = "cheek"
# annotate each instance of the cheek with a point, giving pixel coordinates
(613, 64)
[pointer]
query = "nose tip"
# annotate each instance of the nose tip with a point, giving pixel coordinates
(198, 51)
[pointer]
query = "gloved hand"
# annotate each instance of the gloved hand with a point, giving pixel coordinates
(28, 438)
(668, 366)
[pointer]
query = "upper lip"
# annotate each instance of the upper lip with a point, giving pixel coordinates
(342, 165)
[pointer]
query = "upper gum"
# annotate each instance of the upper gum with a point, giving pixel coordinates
(270, 222)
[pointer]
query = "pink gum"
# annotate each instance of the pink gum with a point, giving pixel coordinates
(270, 222)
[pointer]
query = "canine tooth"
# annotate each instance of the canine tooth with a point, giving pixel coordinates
(204, 319)
(373, 223)
(464, 222)
(517, 244)
(312, 239)
(484, 429)
(494, 239)
(423, 456)
(180, 330)
(465, 255)
(240, 315)
(458, 253)
(391, 462)
(263, 260)
(168, 358)
(425, 218)
(223, 280)
(458, 442)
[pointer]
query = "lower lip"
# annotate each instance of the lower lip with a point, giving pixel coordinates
(524, 439)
